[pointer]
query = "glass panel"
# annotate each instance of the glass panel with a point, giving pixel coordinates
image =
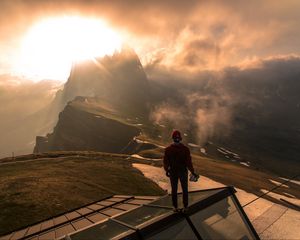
(130, 235)
(60, 219)
(222, 220)
(179, 231)
(96, 217)
(141, 215)
(81, 223)
(125, 206)
(139, 201)
(33, 238)
(193, 198)
(61, 231)
(84, 211)
(146, 197)
(19, 234)
(6, 237)
(105, 203)
(33, 229)
(106, 230)
(47, 224)
(95, 207)
(111, 211)
(114, 199)
(47, 235)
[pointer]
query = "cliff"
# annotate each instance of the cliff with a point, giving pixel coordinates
(82, 126)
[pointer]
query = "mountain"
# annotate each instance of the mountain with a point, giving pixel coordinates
(253, 112)
(118, 79)
(239, 127)
(88, 124)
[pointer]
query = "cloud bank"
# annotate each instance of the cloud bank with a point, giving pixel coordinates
(210, 105)
(21, 97)
(186, 35)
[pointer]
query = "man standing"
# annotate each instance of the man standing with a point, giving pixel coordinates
(177, 162)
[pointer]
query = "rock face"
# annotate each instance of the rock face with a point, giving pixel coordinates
(121, 83)
(118, 79)
(80, 129)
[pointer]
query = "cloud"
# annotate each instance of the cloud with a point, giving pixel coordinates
(203, 115)
(211, 104)
(195, 34)
(21, 97)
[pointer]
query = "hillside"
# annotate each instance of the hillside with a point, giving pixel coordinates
(36, 187)
(119, 80)
(257, 118)
(92, 123)
(87, 125)
(247, 178)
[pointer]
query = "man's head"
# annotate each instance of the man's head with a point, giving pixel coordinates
(176, 136)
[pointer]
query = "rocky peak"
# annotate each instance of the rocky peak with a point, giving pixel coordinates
(119, 79)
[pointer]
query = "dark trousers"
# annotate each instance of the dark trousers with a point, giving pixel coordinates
(183, 177)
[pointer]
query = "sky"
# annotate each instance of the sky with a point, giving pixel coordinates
(212, 49)
(188, 36)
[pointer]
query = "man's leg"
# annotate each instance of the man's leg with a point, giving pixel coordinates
(184, 186)
(174, 185)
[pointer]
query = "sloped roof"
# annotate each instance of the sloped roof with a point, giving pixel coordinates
(79, 218)
(212, 214)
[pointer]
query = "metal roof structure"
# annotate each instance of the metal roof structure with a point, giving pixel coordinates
(212, 214)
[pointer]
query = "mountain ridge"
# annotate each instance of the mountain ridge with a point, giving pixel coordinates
(80, 128)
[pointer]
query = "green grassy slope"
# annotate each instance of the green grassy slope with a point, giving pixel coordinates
(246, 178)
(32, 190)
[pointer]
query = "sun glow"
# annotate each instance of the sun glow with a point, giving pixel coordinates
(50, 47)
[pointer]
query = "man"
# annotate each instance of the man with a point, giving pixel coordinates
(177, 162)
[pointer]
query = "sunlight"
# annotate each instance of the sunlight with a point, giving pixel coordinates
(50, 47)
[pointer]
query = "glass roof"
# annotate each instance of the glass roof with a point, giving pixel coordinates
(141, 215)
(154, 220)
(178, 231)
(193, 198)
(222, 220)
(105, 230)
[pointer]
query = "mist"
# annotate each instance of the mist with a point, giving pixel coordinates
(21, 100)
(211, 103)
(23, 97)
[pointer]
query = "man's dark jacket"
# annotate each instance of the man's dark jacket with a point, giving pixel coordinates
(177, 159)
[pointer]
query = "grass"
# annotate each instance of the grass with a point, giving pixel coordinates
(248, 179)
(152, 153)
(97, 106)
(39, 186)
(31, 191)
(245, 178)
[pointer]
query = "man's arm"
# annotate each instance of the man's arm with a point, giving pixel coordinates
(189, 163)
(166, 160)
